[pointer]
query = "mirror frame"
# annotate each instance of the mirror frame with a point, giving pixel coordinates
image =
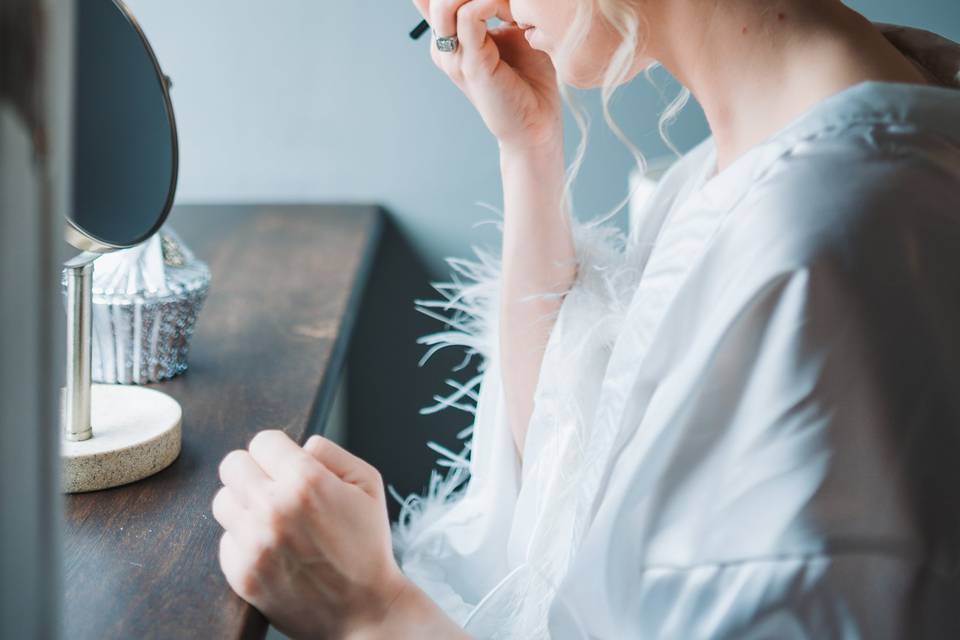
(74, 234)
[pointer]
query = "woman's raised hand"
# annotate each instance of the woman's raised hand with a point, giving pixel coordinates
(512, 85)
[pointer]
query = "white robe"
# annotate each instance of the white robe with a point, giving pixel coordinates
(747, 421)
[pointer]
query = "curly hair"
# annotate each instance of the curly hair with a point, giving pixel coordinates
(626, 18)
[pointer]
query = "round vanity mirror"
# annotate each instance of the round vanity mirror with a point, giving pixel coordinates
(124, 178)
(125, 142)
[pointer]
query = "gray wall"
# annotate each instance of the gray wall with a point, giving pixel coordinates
(304, 100)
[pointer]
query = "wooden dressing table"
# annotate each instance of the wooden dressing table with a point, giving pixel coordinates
(140, 561)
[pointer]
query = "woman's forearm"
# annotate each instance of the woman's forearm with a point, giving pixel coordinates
(537, 257)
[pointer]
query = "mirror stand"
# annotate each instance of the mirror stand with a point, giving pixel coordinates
(138, 430)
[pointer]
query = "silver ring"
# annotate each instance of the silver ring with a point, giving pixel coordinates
(446, 44)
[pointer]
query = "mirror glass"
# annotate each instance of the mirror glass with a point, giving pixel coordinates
(125, 145)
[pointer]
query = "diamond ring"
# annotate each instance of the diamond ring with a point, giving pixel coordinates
(446, 44)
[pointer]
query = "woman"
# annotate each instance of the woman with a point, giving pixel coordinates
(741, 421)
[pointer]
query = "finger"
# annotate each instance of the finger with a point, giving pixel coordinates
(345, 465)
(228, 510)
(449, 63)
(232, 563)
(278, 455)
(443, 16)
(472, 21)
(244, 476)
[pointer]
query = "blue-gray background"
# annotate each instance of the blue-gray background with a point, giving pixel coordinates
(314, 101)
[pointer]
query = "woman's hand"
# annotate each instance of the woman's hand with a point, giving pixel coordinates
(512, 85)
(307, 540)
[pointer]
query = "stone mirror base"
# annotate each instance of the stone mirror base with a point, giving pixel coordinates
(136, 433)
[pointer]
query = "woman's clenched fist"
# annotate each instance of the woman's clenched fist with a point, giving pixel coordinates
(307, 539)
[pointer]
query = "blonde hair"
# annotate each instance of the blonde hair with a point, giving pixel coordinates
(623, 17)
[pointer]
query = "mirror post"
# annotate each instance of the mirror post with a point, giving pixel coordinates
(76, 414)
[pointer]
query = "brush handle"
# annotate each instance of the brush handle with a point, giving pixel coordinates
(419, 30)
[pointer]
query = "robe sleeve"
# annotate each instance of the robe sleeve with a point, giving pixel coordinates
(469, 302)
(452, 540)
(793, 476)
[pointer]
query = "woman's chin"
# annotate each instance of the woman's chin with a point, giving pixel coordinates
(581, 78)
(582, 72)
(591, 77)
(577, 83)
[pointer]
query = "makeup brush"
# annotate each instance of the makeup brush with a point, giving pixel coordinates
(420, 29)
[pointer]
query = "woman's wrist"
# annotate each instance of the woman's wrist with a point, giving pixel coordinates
(551, 149)
(410, 613)
(533, 176)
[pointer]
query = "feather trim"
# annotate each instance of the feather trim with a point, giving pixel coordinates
(469, 310)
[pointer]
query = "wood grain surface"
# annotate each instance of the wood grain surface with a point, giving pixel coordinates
(140, 561)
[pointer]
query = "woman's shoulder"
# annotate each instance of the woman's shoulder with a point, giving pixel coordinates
(872, 148)
(891, 180)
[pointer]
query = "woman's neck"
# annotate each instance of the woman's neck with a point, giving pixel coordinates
(755, 66)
